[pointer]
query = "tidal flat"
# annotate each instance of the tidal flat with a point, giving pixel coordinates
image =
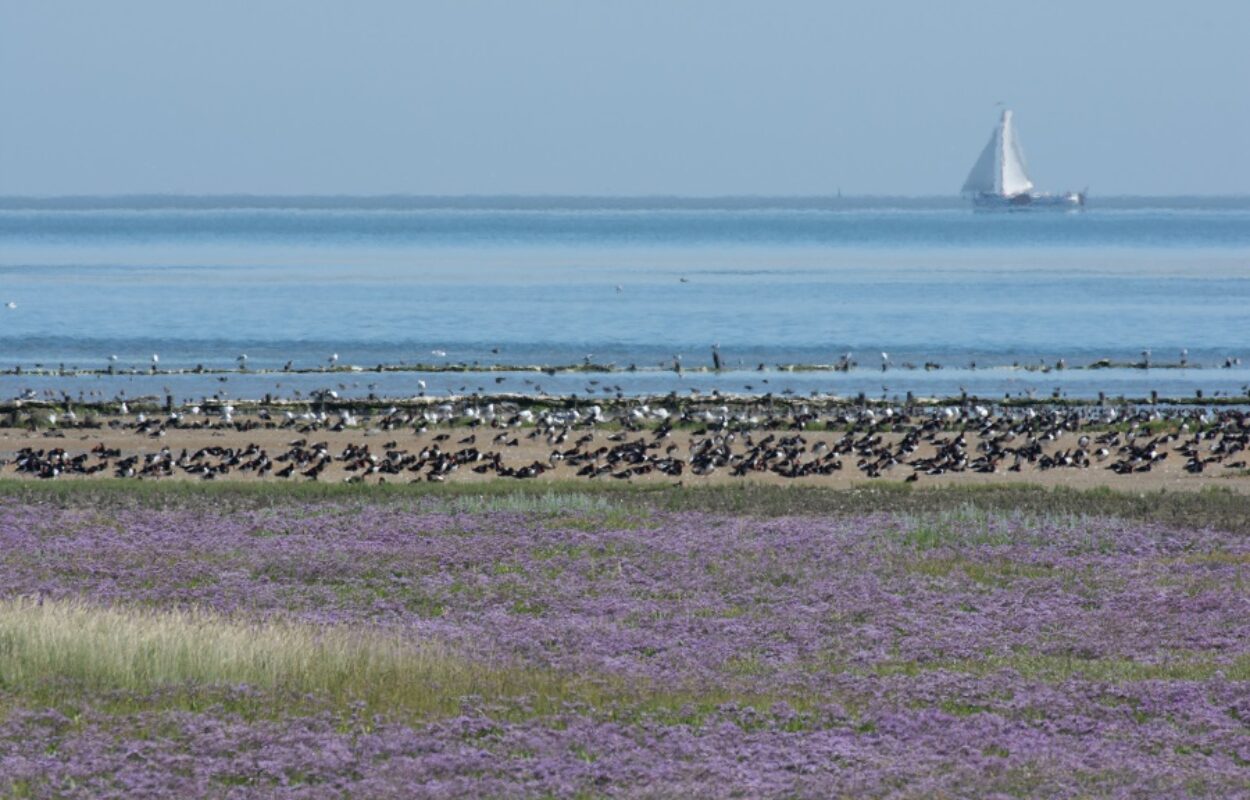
(175, 640)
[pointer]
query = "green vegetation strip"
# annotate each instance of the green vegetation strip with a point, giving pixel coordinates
(1060, 668)
(1214, 507)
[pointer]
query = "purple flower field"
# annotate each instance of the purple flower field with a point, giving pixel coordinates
(953, 655)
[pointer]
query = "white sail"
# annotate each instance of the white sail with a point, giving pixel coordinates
(1000, 169)
(982, 178)
(1013, 178)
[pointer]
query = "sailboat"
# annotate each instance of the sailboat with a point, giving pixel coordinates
(999, 180)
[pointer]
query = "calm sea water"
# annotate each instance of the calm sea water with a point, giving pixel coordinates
(540, 281)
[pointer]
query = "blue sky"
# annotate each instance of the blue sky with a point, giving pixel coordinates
(628, 98)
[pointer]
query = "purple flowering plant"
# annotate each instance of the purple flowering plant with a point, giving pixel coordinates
(650, 654)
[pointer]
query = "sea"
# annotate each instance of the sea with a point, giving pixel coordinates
(242, 297)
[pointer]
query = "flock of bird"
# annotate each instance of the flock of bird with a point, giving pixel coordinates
(434, 443)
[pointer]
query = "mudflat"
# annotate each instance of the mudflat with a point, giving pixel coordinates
(250, 449)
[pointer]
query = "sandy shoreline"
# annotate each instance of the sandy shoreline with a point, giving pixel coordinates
(251, 449)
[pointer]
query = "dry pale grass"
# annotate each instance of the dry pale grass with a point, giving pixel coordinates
(93, 649)
(63, 653)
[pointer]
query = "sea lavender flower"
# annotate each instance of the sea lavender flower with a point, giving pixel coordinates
(871, 655)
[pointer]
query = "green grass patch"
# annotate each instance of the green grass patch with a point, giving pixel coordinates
(1218, 558)
(1058, 668)
(997, 573)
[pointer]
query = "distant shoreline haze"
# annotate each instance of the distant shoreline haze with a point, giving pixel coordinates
(140, 202)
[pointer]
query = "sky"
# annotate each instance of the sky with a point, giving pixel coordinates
(671, 97)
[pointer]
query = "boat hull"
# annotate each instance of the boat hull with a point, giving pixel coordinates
(1071, 201)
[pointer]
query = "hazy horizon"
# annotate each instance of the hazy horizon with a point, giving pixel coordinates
(950, 196)
(504, 201)
(692, 99)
